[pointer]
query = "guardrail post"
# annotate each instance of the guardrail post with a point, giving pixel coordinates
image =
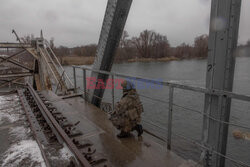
(74, 74)
(84, 84)
(113, 92)
(170, 115)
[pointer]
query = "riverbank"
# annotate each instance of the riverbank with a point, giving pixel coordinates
(163, 59)
(74, 60)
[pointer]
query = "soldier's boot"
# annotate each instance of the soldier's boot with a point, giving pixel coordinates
(123, 134)
(139, 129)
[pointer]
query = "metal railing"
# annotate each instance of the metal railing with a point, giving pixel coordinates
(47, 62)
(64, 76)
(172, 86)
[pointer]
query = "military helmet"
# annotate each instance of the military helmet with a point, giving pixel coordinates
(127, 85)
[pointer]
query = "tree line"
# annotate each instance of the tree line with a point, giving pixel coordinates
(149, 44)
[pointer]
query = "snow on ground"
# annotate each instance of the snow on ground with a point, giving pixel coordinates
(10, 109)
(4, 56)
(64, 154)
(25, 152)
(20, 133)
(6, 115)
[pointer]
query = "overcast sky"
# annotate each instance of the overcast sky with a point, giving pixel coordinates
(78, 22)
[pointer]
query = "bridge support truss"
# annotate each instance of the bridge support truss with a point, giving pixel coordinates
(223, 36)
(44, 67)
(112, 29)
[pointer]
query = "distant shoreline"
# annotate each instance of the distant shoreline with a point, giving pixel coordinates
(164, 59)
(74, 60)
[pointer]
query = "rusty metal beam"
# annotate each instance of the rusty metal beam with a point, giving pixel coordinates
(24, 74)
(14, 45)
(30, 50)
(33, 125)
(11, 81)
(15, 54)
(17, 64)
(80, 157)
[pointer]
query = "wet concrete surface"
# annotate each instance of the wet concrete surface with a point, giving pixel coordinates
(18, 147)
(96, 128)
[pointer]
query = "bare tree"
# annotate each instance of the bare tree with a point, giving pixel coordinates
(183, 51)
(89, 50)
(144, 43)
(151, 44)
(201, 46)
(123, 41)
(160, 46)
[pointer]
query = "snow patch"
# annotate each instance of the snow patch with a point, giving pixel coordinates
(8, 98)
(20, 133)
(11, 117)
(10, 105)
(10, 109)
(65, 153)
(24, 152)
(3, 55)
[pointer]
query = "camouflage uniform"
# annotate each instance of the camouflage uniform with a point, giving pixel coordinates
(127, 113)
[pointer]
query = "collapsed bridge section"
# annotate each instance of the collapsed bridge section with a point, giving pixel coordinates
(45, 68)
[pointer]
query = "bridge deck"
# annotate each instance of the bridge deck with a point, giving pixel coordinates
(130, 152)
(96, 128)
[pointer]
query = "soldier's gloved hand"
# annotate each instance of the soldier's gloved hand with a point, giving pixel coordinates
(110, 115)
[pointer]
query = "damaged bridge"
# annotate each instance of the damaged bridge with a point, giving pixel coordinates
(59, 116)
(45, 69)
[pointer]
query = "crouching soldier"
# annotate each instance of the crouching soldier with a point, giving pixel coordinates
(127, 113)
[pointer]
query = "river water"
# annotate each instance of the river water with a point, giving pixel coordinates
(185, 122)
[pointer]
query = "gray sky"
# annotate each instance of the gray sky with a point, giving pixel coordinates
(78, 22)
